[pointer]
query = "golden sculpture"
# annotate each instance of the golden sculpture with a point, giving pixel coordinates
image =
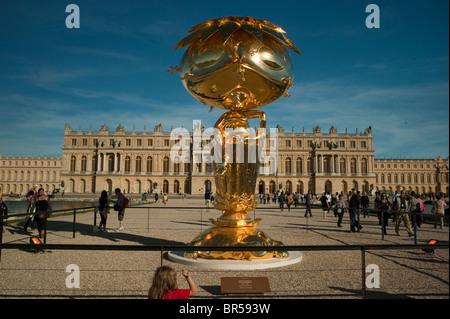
(237, 64)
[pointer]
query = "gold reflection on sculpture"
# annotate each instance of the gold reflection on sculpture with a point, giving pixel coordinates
(237, 64)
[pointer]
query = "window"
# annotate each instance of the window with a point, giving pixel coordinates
(353, 166)
(110, 163)
(74, 142)
(138, 164)
(353, 144)
(342, 166)
(326, 165)
(84, 141)
(73, 160)
(341, 143)
(364, 166)
(150, 142)
(139, 142)
(166, 165)
(166, 142)
(83, 164)
(128, 142)
(288, 165)
(298, 165)
(149, 164)
(363, 144)
(310, 165)
(288, 143)
(95, 142)
(111, 142)
(127, 164)
(299, 143)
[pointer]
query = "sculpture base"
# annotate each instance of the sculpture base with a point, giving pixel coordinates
(223, 236)
(208, 263)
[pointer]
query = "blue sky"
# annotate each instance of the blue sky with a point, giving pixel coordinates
(113, 70)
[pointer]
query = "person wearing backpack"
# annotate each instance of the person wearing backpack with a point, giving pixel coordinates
(119, 206)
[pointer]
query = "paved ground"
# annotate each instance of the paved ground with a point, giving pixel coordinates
(123, 274)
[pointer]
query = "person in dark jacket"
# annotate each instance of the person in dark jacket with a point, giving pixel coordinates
(354, 206)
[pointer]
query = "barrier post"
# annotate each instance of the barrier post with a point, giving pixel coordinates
(45, 226)
(363, 271)
(74, 221)
(148, 219)
(415, 227)
(1, 235)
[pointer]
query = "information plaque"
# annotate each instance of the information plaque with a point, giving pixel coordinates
(244, 285)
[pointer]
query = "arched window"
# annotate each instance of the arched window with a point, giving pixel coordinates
(310, 165)
(342, 166)
(149, 164)
(83, 164)
(353, 166)
(176, 187)
(166, 186)
(110, 163)
(364, 166)
(138, 164)
(127, 164)
(298, 165)
(166, 165)
(73, 161)
(287, 162)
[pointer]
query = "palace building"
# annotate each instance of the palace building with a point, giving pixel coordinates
(138, 162)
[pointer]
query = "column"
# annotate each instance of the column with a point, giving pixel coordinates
(105, 163)
(338, 164)
(321, 163)
(316, 163)
(332, 164)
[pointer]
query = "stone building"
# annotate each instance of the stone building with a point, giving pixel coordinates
(137, 162)
(20, 174)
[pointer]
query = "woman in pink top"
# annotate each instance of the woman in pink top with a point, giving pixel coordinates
(164, 285)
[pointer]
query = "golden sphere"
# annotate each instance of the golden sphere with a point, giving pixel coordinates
(237, 63)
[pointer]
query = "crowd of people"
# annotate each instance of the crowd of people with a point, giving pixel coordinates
(402, 207)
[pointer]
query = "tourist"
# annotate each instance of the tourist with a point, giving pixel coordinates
(208, 199)
(438, 210)
(165, 199)
(296, 198)
(365, 204)
(30, 197)
(402, 208)
(340, 210)
(3, 211)
(164, 285)
(384, 211)
(414, 204)
(43, 211)
(308, 203)
(288, 201)
(103, 208)
(325, 204)
(281, 200)
(354, 206)
(119, 207)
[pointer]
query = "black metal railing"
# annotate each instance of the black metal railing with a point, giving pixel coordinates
(163, 249)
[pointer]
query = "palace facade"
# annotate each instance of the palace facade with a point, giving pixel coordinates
(138, 162)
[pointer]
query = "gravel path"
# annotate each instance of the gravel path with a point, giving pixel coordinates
(127, 274)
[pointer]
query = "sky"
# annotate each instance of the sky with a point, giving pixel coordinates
(113, 70)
